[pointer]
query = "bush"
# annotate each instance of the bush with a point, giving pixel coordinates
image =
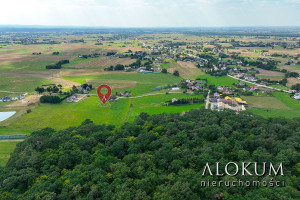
(50, 99)
(176, 73)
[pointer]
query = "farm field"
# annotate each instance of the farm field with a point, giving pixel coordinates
(292, 81)
(186, 69)
(295, 68)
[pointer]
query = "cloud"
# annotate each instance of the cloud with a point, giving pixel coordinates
(145, 13)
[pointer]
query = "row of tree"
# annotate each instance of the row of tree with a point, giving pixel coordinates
(50, 89)
(184, 101)
(57, 65)
(134, 65)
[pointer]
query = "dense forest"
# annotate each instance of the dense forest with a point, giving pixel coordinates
(156, 157)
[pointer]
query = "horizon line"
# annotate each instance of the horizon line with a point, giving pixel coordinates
(142, 27)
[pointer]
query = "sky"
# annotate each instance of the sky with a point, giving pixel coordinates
(151, 13)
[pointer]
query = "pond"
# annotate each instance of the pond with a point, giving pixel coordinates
(6, 115)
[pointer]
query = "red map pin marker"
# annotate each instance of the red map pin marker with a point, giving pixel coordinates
(104, 97)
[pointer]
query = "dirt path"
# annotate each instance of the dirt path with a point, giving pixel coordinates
(29, 100)
(145, 95)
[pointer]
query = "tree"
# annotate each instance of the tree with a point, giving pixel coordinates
(74, 89)
(284, 81)
(176, 73)
(49, 89)
(55, 89)
(164, 71)
(50, 99)
(296, 87)
(155, 157)
(39, 90)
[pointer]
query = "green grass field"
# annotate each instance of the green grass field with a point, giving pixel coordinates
(279, 87)
(21, 84)
(154, 104)
(165, 65)
(15, 131)
(296, 66)
(280, 105)
(6, 148)
(144, 82)
(267, 77)
(287, 100)
(267, 113)
(265, 102)
(36, 65)
(63, 115)
(223, 80)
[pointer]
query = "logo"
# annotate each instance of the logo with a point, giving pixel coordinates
(104, 97)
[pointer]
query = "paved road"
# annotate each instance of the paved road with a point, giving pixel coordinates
(145, 95)
(207, 100)
(258, 84)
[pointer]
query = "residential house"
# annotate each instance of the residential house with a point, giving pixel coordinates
(220, 87)
(263, 83)
(240, 101)
(70, 100)
(239, 75)
(80, 89)
(239, 62)
(6, 99)
(253, 88)
(266, 92)
(217, 95)
(21, 96)
(221, 105)
(253, 79)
